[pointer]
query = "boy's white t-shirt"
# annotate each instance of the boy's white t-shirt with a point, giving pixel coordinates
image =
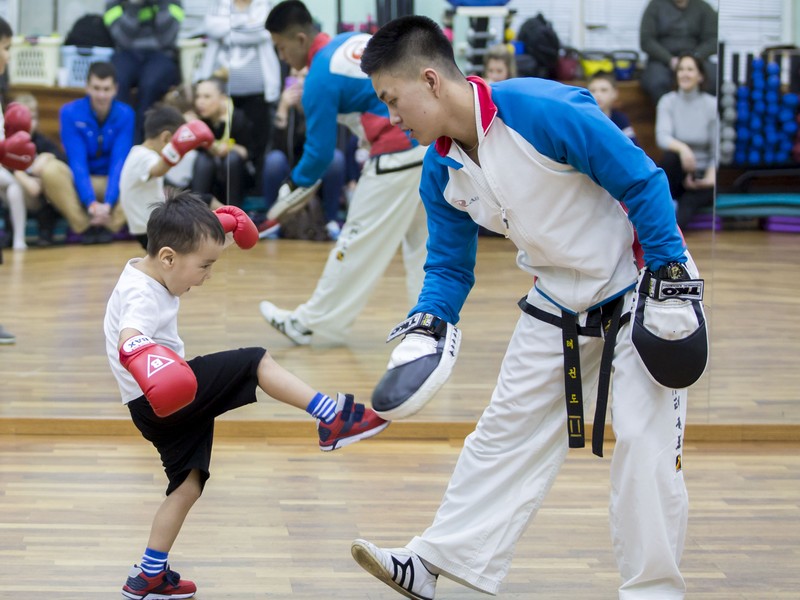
(137, 190)
(139, 302)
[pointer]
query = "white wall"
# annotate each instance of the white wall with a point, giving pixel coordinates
(745, 25)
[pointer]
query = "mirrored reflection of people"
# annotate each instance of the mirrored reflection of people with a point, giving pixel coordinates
(686, 130)
(603, 87)
(670, 28)
(30, 179)
(145, 34)
(223, 169)
(288, 142)
(239, 44)
(499, 63)
(97, 134)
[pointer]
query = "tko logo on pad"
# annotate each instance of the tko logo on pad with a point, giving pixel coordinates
(691, 289)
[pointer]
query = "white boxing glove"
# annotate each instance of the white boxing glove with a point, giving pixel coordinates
(418, 367)
(292, 198)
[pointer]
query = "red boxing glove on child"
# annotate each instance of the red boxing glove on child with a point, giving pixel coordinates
(235, 220)
(18, 118)
(167, 381)
(191, 135)
(18, 151)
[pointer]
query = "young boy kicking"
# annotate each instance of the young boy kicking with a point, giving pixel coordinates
(174, 402)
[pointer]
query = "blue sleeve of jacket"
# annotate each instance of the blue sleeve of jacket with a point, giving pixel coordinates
(321, 94)
(119, 151)
(576, 132)
(452, 247)
(77, 154)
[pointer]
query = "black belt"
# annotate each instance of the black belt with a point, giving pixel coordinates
(604, 321)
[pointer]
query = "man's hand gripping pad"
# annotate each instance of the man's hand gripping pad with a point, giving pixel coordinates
(419, 365)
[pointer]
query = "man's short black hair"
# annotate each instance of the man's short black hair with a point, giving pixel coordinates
(182, 222)
(405, 41)
(5, 29)
(102, 70)
(288, 14)
(162, 117)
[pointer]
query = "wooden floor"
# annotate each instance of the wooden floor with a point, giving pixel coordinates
(56, 377)
(278, 516)
(277, 520)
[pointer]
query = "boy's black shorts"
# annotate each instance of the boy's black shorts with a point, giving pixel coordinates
(225, 380)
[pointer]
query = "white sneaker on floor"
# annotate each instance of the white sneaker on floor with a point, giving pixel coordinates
(333, 229)
(283, 321)
(399, 568)
(269, 230)
(6, 337)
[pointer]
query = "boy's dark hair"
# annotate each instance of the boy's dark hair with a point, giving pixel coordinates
(288, 14)
(403, 42)
(181, 222)
(604, 75)
(102, 70)
(5, 29)
(161, 118)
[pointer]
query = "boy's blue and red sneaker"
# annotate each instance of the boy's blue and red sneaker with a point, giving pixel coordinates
(353, 422)
(164, 586)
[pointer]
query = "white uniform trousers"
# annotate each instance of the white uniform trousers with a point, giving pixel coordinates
(385, 213)
(510, 461)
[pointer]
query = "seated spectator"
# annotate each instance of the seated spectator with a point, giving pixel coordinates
(181, 99)
(670, 28)
(17, 118)
(166, 143)
(239, 44)
(686, 130)
(288, 141)
(31, 178)
(223, 169)
(499, 63)
(603, 86)
(97, 134)
(145, 51)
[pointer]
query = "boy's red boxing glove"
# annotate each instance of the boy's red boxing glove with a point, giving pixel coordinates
(18, 118)
(235, 220)
(187, 137)
(18, 151)
(167, 381)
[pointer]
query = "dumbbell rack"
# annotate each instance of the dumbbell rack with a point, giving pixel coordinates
(758, 114)
(475, 29)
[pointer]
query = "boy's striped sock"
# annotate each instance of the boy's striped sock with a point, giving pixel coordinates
(154, 562)
(322, 407)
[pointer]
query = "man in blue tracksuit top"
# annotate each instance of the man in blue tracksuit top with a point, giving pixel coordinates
(538, 162)
(97, 134)
(385, 212)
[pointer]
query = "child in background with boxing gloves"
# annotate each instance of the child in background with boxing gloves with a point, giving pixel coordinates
(174, 402)
(16, 148)
(168, 138)
(16, 152)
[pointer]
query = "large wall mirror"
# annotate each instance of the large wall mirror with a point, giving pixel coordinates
(751, 272)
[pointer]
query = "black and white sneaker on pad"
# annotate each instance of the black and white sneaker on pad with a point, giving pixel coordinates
(399, 568)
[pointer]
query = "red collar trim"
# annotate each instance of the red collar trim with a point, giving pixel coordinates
(320, 41)
(487, 108)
